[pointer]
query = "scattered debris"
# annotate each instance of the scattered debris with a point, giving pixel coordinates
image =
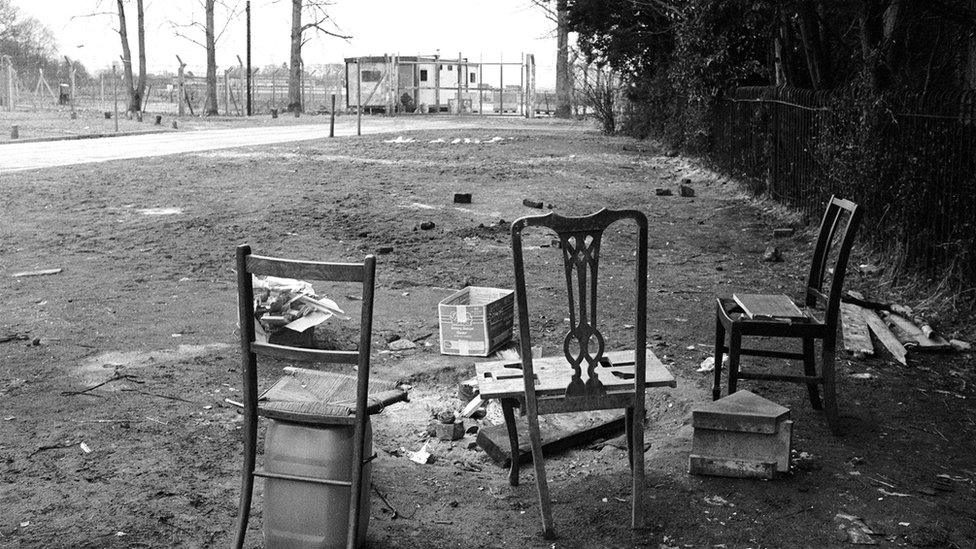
(85, 448)
(400, 139)
(708, 365)
(427, 225)
(401, 345)
(956, 344)
(894, 494)
(719, 501)
(532, 204)
(663, 192)
(383, 250)
(448, 431)
(869, 269)
(686, 191)
(13, 336)
(865, 375)
(421, 456)
(857, 532)
(160, 211)
(783, 232)
(41, 272)
(462, 198)
(772, 255)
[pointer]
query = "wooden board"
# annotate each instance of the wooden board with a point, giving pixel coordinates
(916, 337)
(503, 379)
(559, 432)
(773, 306)
(884, 335)
(857, 338)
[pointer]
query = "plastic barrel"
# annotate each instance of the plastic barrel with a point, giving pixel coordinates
(304, 514)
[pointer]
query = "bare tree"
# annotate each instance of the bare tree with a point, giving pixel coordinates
(319, 21)
(210, 38)
(134, 90)
(564, 77)
(602, 91)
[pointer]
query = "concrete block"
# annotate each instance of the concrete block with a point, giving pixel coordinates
(746, 446)
(735, 468)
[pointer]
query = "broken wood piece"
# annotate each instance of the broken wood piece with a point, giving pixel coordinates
(558, 431)
(885, 336)
(857, 338)
(41, 272)
(915, 336)
(472, 406)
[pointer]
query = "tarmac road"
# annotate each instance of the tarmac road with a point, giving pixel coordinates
(15, 157)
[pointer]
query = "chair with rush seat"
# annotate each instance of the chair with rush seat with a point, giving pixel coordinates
(310, 398)
(775, 316)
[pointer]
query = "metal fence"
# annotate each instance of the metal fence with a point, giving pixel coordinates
(909, 160)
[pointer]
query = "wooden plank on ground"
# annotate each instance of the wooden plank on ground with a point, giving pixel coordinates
(559, 432)
(884, 335)
(857, 338)
(917, 337)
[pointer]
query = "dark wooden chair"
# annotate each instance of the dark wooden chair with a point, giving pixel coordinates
(305, 396)
(585, 378)
(839, 224)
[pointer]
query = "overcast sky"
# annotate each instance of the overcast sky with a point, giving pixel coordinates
(478, 28)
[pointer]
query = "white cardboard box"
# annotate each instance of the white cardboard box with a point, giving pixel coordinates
(475, 321)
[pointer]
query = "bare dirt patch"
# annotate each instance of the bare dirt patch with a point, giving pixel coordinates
(165, 449)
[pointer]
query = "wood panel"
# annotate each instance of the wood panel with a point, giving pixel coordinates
(884, 335)
(305, 270)
(778, 306)
(559, 432)
(857, 338)
(916, 336)
(305, 355)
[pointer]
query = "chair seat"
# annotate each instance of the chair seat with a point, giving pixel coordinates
(323, 398)
(731, 313)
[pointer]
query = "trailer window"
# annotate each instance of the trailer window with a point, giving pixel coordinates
(471, 78)
(371, 76)
(423, 75)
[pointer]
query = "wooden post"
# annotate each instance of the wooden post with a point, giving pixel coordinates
(437, 83)
(459, 77)
(416, 84)
(240, 81)
(522, 84)
(71, 80)
(11, 93)
(115, 77)
(501, 84)
(359, 96)
(481, 89)
(247, 11)
(181, 85)
(101, 87)
(227, 91)
(301, 83)
(332, 118)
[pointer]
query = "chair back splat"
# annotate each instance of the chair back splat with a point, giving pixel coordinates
(580, 239)
(833, 219)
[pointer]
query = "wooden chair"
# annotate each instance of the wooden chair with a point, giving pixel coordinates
(558, 384)
(305, 396)
(731, 319)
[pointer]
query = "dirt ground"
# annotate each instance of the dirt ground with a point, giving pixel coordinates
(153, 297)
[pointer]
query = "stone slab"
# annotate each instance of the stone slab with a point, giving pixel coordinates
(741, 411)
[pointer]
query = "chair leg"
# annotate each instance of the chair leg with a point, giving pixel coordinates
(810, 369)
(735, 346)
(509, 414)
(247, 477)
(629, 433)
(636, 444)
(356, 490)
(830, 391)
(548, 531)
(719, 355)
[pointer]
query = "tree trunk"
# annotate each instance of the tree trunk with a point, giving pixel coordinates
(135, 103)
(126, 55)
(210, 103)
(564, 79)
(295, 70)
(812, 46)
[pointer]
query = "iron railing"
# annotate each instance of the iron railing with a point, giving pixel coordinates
(909, 160)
